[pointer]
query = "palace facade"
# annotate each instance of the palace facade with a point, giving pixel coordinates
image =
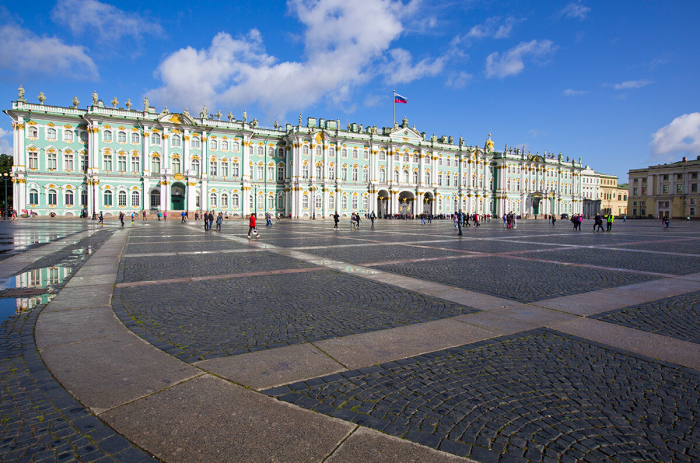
(69, 160)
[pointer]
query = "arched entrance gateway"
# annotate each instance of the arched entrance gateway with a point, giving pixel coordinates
(177, 197)
(382, 203)
(406, 199)
(428, 200)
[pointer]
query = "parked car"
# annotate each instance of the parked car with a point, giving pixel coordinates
(564, 216)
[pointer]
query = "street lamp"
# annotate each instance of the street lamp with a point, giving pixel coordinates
(5, 177)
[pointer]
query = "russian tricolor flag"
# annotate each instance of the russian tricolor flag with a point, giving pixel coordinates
(399, 99)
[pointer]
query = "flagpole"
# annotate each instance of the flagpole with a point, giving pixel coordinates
(394, 123)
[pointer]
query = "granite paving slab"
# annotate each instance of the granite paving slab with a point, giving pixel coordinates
(182, 246)
(366, 254)
(535, 396)
(517, 279)
(209, 319)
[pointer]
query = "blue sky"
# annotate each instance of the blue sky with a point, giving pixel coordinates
(614, 83)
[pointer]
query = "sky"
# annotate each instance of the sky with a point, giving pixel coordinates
(614, 83)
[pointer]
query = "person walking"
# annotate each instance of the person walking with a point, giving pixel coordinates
(183, 216)
(206, 221)
(357, 220)
(336, 219)
(554, 220)
(159, 216)
(219, 219)
(211, 220)
(460, 218)
(372, 216)
(165, 216)
(121, 218)
(667, 222)
(133, 214)
(610, 218)
(251, 226)
(144, 216)
(268, 222)
(422, 219)
(101, 220)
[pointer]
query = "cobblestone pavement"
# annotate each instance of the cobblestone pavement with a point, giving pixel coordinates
(167, 267)
(677, 317)
(39, 420)
(534, 396)
(211, 319)
(360, 255)
(684, 247)
(488, 246)
(180, 246)
(525, 281)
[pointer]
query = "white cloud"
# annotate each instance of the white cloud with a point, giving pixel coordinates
(571, 92)
(575, 10)
(493, 27)
(373, 100)
(5, 144)
(401, 70)
(681, 135)
(458, 79)
(632, 84)
(107, 22)
(49, 55)
(345, 45)
(512, 62)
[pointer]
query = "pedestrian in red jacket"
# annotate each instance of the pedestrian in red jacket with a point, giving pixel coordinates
(252, 227)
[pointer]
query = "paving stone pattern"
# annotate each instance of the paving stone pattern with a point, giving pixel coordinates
(537, 396)
(489, 246)
(677, 317)
(210, 319)
(683, 247)
(134, 269)
(181, 246)
(525, 281)
(381, 253)
(74, 254)
(646, 262)
(39, 420)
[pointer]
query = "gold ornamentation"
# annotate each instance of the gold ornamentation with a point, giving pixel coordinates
(67, 126)
(51, 124)
(186, 138)
(191, 184)
(175, 119)
(178, 176)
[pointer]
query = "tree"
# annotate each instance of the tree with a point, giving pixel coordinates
(5, 163)
(5, 168)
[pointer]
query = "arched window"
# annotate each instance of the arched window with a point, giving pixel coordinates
(344, 202)
(365, 202)
(440, 161)
(331, 202)
(305, 149)
(224, 200)
(83, 138)
(344, 153)
(261, 202)
(155, 139)
(319, 150)
(175, 165)
(195, 142)
(382, 176)
(415, 177)
(448, 179)
(280, 201)
(319, 202)
(427, 178)
(235, 147)
(405, 157)
(84, 198)
(280, 153)
(396, 176)
(212, 200)
(270, 173)
(305, 201)
(354, 174)
(196, 166)
(135, 199)
(122, 198)
(235, 201)
(250, 149)
(280, 173)
(51, 161)
(69, 197)
(354, 203)
(405, 176)
(261, 151)
(175, 140)
(331, 152)
(270, 202)
(354, 153)
(305, 171)
(224, 145)
(52, 198)
(155, 165)
(155, 199)
(68, 136)
(108, 198)
(32, 132)
(365, 155)
(135, 138)
(415, 158)
(319, 172)
(51, 135)
(121, 137)
(33, 197)
(382, 156)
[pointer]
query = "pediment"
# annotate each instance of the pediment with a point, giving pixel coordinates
(405, 135)
(175, 118)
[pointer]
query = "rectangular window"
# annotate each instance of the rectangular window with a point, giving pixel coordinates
(665, 189)
(235, 170)
(261, 173)
(108, 163)
(68, 162)
(212, 168)
(679, 188)
(134, 164)
(280, 173)
(224, 169)
(635, 192)
(692, 211)
(84, 162)
(644, 190)
(694, 187)
(122, 163)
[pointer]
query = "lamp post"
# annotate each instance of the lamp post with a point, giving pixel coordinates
(255, 199)
(5, 177)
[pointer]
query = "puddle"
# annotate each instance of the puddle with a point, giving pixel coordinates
(15, 306)
(41, 278)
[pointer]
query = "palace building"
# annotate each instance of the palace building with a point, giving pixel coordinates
(69, 160)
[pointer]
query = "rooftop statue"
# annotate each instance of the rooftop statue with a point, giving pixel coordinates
(218, 115)
(230, 116)
(245, 117)
(20, 94)
(203, 114)
(42, 98)
(95, 98)
(115, 102)
(186, 113)
(145, 104)
(76, 101)
(128, 104)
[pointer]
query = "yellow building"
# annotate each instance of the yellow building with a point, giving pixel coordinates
(613, 197)
(665, 190)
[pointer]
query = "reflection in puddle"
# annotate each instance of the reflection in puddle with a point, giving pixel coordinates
(37, 278)
(15, 306)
